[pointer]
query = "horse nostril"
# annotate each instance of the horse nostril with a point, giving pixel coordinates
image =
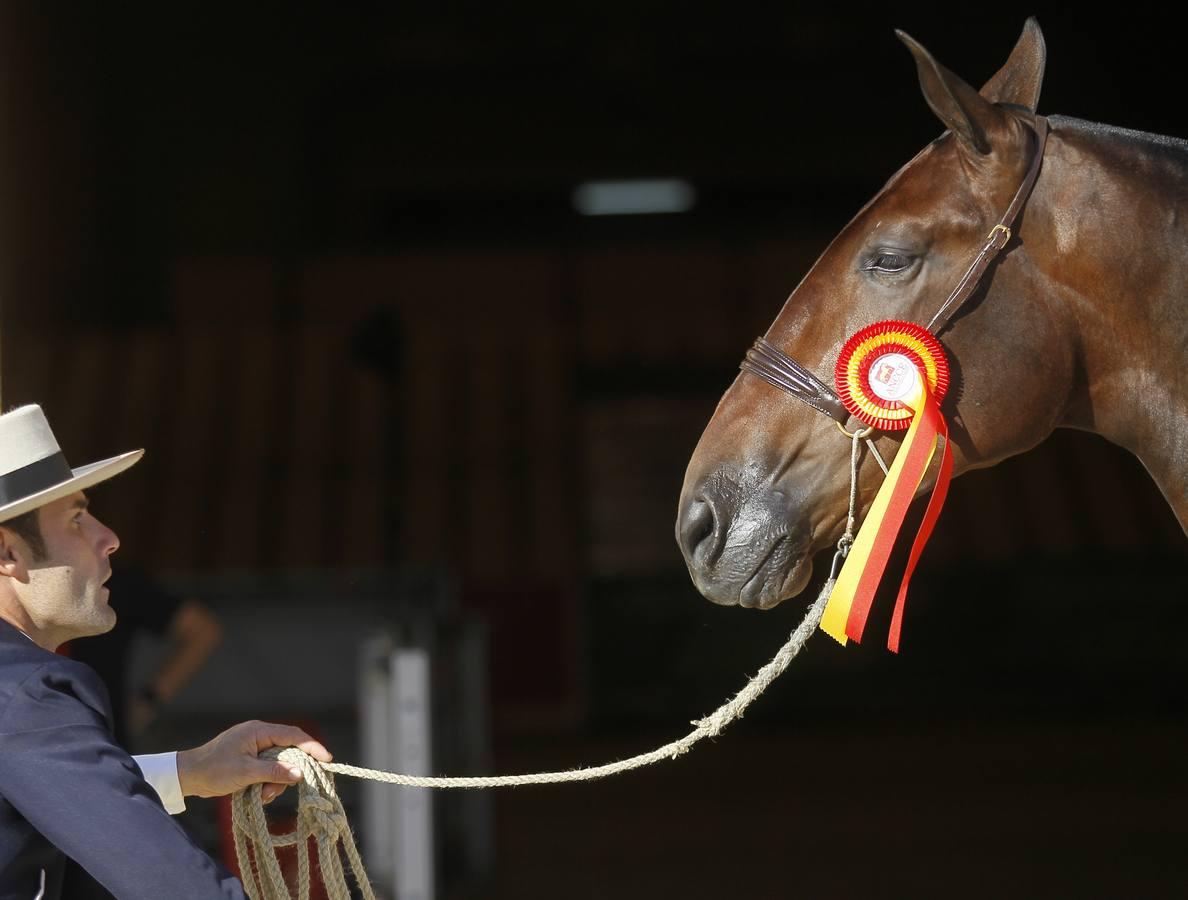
(697, 530)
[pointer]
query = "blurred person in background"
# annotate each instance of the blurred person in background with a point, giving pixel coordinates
(145, 607)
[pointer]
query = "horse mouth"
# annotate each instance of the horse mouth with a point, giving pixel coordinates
(784, 572)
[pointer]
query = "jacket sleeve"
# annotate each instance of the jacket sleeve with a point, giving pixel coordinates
(62, 770)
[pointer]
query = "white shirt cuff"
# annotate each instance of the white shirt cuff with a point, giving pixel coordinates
(160, 770)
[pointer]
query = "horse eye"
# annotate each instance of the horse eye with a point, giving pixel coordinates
(891, 261)
(886, 261)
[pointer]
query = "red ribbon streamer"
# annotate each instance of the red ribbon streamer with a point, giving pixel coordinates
(939, 491)
(931, 426)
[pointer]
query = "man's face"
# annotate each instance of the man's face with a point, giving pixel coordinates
(65, 593)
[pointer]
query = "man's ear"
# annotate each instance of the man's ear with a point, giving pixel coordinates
(14, 556)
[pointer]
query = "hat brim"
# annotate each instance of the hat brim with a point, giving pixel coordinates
(81, 478)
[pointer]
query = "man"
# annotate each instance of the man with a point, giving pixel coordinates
(66, 786)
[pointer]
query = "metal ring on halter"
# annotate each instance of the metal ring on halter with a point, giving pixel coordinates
(864, 435)
(861, 434)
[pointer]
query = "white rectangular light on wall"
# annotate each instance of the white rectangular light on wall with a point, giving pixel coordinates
(634, 197)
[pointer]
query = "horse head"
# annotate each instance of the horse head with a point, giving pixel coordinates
(768, 484)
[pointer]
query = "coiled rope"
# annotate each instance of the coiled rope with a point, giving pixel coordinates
(320, 814)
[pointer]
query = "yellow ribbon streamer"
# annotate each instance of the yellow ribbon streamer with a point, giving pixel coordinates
(837, 611)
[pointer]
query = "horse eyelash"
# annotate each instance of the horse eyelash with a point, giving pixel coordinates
(871, 264)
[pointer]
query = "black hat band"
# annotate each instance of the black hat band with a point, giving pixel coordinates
(34, 478)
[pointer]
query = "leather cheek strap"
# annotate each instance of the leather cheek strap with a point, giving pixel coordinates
(999, 236)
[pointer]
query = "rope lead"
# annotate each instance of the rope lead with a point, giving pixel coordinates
(320, 814)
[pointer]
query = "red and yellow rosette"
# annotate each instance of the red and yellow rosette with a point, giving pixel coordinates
(892, 375)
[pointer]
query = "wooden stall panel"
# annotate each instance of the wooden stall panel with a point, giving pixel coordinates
(187, 506)
(368, 502)
(30, 357)
(650, 303)
(258, 371)
(550, 460)
(133, 422)
(462, 458)
(310, 415)
(481, 459)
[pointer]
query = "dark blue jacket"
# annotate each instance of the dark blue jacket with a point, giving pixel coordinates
(66, 787)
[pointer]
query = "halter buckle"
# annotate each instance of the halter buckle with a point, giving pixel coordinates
(1006, 234)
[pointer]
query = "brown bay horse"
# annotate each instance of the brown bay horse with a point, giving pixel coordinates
(1081, 322)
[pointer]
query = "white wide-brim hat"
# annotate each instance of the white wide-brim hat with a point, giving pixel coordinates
(33, 471)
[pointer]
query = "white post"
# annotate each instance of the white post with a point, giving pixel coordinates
(411, 743)
(375, 739)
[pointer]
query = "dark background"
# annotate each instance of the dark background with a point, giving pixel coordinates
(324, 266)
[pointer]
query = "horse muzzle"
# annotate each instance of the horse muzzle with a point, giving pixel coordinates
(742, 549)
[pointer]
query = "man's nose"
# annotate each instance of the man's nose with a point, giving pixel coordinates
(111, 540)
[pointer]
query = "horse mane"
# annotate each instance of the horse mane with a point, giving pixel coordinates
(1118, 135)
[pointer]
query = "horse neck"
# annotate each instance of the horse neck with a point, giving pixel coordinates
(1110, 241)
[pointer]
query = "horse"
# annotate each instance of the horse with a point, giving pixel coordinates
(1081, 321)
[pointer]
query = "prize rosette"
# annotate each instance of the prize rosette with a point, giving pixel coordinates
(891, 375)
(876, 371)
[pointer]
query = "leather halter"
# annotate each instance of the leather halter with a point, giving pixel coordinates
(782, 371)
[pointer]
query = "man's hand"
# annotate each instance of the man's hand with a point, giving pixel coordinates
(230, 762)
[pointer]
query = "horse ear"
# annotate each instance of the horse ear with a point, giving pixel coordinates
(966, 113)
(1019, 81)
